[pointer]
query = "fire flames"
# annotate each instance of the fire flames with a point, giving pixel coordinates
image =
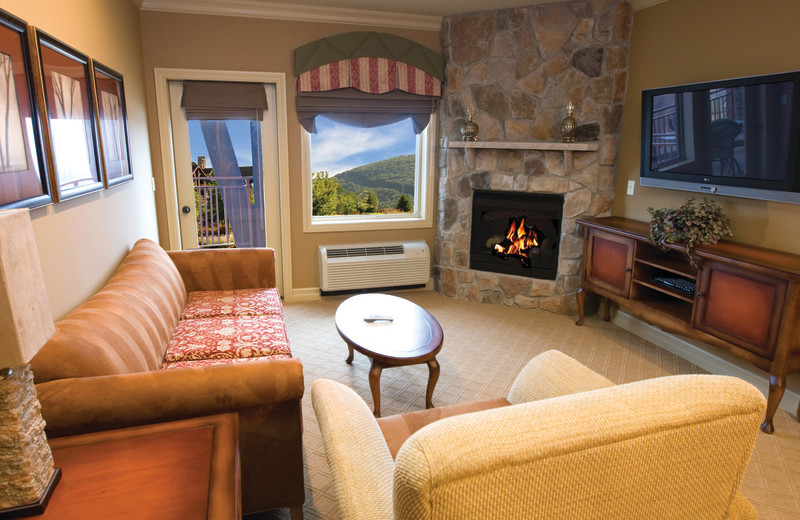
(520, 242)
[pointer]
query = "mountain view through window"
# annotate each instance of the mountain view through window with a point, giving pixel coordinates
(363, 171)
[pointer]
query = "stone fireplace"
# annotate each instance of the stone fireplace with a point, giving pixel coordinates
(519, 68)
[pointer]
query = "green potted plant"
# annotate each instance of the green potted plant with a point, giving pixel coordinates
(689, 225)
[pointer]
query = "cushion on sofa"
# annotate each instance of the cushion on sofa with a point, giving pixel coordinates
(228, 337)
(208, 362)
(124, 328)
(240, 302)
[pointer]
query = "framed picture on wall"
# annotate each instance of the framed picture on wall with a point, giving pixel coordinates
(112, 122)
(70, 130)
(23, 171)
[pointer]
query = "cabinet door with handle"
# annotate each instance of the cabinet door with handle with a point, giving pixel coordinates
(740, 306)
(609, 263)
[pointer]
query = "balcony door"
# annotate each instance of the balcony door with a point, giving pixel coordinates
(226, 176)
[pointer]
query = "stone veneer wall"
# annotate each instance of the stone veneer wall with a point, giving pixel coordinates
(519, 68)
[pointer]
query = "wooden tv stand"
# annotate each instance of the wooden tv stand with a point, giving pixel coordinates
(747, 298)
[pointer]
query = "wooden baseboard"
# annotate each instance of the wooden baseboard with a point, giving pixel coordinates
(710, 358)
(305, 294)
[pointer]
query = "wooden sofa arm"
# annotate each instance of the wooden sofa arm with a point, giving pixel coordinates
(80, 405)
(553, 374)
(221, 269)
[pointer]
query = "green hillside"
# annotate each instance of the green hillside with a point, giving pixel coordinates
(388, 178)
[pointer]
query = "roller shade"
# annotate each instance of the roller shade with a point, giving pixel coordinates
(220, 100)
(356, 108)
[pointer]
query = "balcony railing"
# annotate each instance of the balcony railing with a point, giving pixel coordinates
(215, 223)
(666, 147)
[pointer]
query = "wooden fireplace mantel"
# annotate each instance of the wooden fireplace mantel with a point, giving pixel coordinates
(567, 148)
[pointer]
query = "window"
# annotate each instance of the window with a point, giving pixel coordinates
(228, 197)
(224, 123)
(368, 178)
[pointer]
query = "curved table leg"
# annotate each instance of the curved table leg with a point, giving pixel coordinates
(349, 359)
(375, 386)
(777, 386)
(433, 377)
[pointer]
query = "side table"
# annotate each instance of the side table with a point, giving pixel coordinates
(181, 470)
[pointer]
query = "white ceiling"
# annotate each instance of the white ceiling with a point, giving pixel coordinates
(415, 14)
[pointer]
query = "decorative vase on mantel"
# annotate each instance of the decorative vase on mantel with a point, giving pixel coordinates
(568, 125)
(469, 130)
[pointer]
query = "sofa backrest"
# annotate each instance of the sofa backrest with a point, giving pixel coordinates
(671, 447)
(125, 327)
(238, 268)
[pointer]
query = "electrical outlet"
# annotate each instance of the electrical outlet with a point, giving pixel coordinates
(631, 185)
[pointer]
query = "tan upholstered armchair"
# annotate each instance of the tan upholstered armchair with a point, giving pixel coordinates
(571, 445)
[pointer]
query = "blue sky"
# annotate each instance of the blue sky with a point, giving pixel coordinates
(240, 135)
(334, 148)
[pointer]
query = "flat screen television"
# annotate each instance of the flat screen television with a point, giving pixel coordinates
(737, 137)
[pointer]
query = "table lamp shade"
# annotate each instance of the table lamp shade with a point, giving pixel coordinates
(26, 320)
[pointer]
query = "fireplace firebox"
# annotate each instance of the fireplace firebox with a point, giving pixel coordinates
(516, 233)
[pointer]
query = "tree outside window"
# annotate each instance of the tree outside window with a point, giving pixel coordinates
(363, 171)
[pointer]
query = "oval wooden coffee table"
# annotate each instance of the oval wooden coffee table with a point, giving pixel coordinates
(408, 335)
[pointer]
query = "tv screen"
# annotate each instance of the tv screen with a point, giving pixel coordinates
(732, 137)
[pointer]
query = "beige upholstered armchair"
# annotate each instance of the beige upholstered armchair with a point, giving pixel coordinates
(567, 444)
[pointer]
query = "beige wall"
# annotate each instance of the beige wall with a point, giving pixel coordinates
(172, 40)
(81, 241)
(686, 41)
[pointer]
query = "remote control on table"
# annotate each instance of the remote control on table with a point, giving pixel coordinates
(377, 317)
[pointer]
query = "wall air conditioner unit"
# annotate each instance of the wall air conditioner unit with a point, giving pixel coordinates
(368, 266)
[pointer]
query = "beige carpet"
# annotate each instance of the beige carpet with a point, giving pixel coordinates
(485, 346)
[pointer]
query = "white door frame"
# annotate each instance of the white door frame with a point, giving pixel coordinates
(162, 77)
(184, 185)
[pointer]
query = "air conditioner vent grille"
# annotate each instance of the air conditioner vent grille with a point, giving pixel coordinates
(351, 252)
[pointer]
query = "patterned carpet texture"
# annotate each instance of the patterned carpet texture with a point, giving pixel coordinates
(485, 347)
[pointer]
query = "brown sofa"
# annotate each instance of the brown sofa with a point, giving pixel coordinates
(102, 368)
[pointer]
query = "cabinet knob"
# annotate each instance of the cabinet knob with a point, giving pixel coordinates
(186, 209)
(699, 294)
(628, 269)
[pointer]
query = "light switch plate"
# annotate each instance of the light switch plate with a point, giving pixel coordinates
(631, 185)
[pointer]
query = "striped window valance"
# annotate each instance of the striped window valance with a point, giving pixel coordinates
(369, 74)
(367, 79)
